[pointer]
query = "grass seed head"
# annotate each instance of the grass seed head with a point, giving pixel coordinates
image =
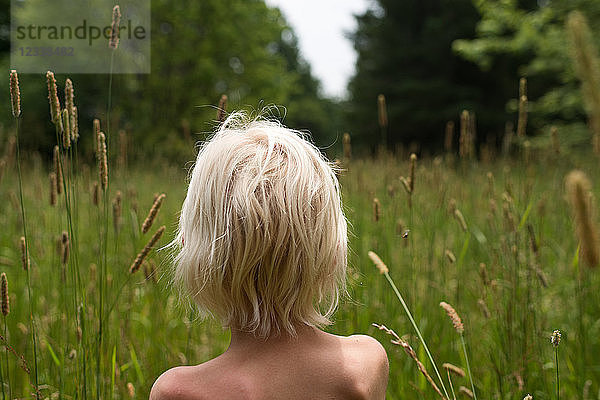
(465, 391)
(70, 107)
(97, 131)
(58, 170)
(461, 220)
(378, 263)
(456, 321)
(450, 256)
(4, 294)
(103, 162)
(522, 122)
(382, 111)
(411, 176)
(347, 145)
(65, 248)
(52, 188)
(130, 390)
(117, 211)
(222, 108)
(15, 94)
(137, 263)
(153, 212)
(24, 253)
(66, 134)
(578, 189)
(376, 209)
(96, 194)
(113, 42)
(454, 369)
(449, 138)
(53, 99)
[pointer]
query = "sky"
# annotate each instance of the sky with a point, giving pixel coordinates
(321, 27)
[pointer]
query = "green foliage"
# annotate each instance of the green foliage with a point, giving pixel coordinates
(534, 39)
(404, 52)
(200, 50)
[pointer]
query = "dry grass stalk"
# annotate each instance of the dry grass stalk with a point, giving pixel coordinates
(449, 137)
(382, 112)
(454, 369)
(122, 160)
(4, 294)
(522, 122)
(52, 189)
(541, 277)
(460, 219)
(578, 189)
(347, 146)
(103, 163)
(53, 99)
(24, 253)
(532, 240)
(463, 140)
(465, 391)
(490, 179)
(66, 134)
(411, 353)
(483, 274)
(484, 309)
(555, 141)
(376, 209)
(526, 151)
(113, 43)
(65, 245)
(587, 65)
(15, 94)
(378, 263)
(450, 256)
(456, 321)
(95, 194)
(153, 212)
(117, 211)
(222, 108)
(137, 263)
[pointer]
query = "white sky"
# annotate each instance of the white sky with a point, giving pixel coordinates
(320, 26)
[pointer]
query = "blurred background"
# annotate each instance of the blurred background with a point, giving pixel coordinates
(430, 58)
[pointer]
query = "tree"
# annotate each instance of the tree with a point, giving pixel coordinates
(533, 37)
(200, 50)
(405, 52)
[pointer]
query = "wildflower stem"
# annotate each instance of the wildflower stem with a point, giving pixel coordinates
(557, 378)
(414, 324)
(33, 335)
(462, 339)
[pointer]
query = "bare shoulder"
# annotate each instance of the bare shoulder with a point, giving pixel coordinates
(371, 366)
(172, 384)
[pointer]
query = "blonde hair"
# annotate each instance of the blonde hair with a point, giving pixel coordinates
(262, 241)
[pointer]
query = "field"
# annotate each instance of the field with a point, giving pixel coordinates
(511, 267)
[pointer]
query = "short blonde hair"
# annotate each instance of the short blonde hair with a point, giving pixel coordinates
(262, 242)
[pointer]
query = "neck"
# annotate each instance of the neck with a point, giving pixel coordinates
(245, 339)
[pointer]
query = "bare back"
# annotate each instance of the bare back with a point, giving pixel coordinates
(316, 365)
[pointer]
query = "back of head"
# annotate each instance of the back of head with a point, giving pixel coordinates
(262, 233)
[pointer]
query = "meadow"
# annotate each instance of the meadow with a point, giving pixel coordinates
(493, 238)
